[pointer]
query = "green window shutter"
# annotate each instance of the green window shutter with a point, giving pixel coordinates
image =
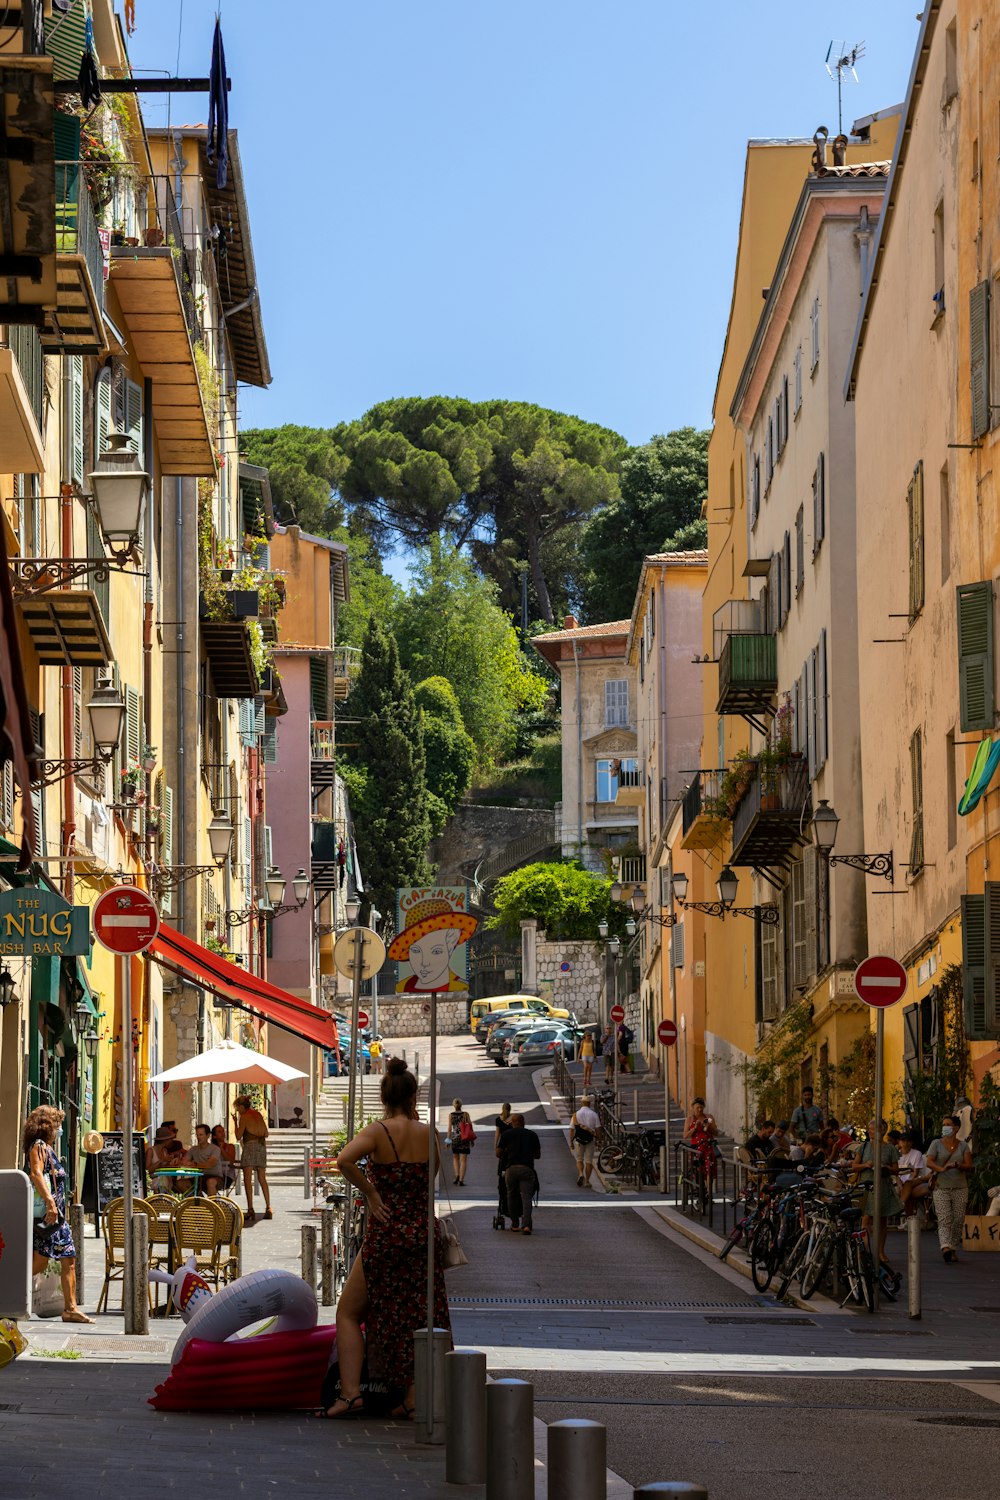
(133, 415)
(319, 687)
(102, 415)
(75, 416)
(991, 925)
(269, 743)
(811, 889)
(819, 503)
(974, 966)
(975, 655)
(979, 357)
(915, 509)
(917, 792)
(133, 723)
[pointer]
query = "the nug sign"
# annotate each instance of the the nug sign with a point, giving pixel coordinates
(34, 922)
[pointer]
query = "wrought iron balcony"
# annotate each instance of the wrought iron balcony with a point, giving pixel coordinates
(770, 819)
(322, 754)
(748, 674)
(699, 824)
(633, 869)
(346, 666)
(76, 324)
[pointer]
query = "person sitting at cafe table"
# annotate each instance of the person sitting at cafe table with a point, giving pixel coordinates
(227, 1151)
(206, 1156)
(157, 1154)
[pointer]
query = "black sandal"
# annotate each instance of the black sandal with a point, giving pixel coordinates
(355, 1407)
(403, 1413)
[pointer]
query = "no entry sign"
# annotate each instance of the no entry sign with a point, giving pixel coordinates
(880, 981)
(667, 1032)
(362, 1019)
(125, 919)
(617, 1013)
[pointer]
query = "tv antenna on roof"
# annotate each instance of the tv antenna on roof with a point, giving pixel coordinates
(844, 63)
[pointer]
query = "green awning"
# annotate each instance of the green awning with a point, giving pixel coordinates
(64, 39)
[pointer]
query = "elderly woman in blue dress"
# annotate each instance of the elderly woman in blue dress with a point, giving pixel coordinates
(52, 1238)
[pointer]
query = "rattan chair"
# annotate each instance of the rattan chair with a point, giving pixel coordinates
(200, 1229)
(160, 1237)
(113, 1227)
(230, 1252)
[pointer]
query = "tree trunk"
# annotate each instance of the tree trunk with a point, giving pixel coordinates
(538, 577)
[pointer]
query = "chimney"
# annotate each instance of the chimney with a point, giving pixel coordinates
(839, 150)
(819, 154)
(570, 622)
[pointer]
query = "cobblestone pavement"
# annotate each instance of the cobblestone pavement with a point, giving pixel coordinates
(608, 1310)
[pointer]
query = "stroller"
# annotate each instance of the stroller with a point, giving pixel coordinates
(503, 1212)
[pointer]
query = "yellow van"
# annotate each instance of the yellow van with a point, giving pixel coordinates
(528, 1003)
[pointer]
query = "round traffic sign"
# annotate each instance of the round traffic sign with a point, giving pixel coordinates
(617, 1013)
(363, 1019)
(667, 1032)
(880, 981)
(372, 951)
(126, 919)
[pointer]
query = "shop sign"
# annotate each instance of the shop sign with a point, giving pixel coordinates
(36, 922)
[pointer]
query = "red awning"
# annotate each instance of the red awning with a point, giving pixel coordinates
(232, 982)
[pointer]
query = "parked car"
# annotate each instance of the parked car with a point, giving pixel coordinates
(364, 1055)
(530, 1047)
(486, 1024)
(502, 1033)
(498, 1003)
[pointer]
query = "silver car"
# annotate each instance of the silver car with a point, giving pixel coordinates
(541, 1046)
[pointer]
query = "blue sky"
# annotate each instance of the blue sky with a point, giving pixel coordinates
(536, 200)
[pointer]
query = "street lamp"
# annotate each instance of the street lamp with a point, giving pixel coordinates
(90, 1042)
(220, 837)
(106, 711)
(727, 886)
(602, 928)
(6, 988)
(275, 886)
(679, 886)
(352, 906)
(824, 832)
(119, 484)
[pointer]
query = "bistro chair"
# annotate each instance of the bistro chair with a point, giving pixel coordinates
(200, 1229)
(160, 1237)
(113, 1227)
(231, 1247)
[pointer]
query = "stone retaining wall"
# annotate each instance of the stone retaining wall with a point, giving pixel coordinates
(411, 1015)
(578, 989)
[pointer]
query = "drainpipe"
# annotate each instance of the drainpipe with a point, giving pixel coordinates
(147, 600)
(579, 756)
(67, 838)
(230, 312)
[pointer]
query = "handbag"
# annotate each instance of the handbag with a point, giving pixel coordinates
(466, 1132)
(452, 1253)
(583, 1137)
(46, 1293)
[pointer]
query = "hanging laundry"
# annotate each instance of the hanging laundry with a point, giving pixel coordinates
(984, 765)
(130, 16)
(90, 83)
(217, 149)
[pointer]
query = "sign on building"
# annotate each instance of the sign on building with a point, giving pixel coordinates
(34, 922)
(433, 927)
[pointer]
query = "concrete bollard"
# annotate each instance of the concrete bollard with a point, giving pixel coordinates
(913, 1266)
(416, 1066)
(309, 1255)
(510, 1440)
(140, 1275)
(670, 1490)
(306, 1184)
(429, 1424)
(326, 1253)
(577, 1460)
(465, 1436)
(77, 1226)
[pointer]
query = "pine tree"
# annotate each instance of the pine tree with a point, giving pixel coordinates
(386, 780)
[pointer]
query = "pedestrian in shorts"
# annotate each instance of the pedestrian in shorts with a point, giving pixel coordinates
(585, 1124)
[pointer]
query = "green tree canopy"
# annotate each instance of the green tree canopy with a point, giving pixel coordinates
(450, 625)
(564, 898)
(372, 591)
(305, 468)
(448, 747)
(663, 485)
(385, 774)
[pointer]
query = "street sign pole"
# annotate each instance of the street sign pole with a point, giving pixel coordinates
(427, 1435)
(877, 1155)
(666, 1121)
(128, 1186)
(880, 981)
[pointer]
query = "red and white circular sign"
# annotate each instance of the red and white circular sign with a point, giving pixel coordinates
(126, 919)
(617, 1013)
(667, 1032)
(880, 981)
(362, 1019)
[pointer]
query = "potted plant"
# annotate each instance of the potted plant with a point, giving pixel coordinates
(149, 759)
(131, 778)
(981, 1231)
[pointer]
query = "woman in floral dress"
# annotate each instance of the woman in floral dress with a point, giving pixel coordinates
(52, 1238)
(386, 1291)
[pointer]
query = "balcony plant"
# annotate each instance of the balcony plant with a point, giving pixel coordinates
(130, 781)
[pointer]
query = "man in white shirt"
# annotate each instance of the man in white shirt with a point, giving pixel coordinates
(913, 1183)
(207, 1157)
(584, 1127)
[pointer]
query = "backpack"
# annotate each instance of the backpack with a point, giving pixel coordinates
(627, 1037)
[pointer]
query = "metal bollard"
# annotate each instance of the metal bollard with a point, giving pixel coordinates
(430, 1426)
(667, 1490)
(326, 1257)
(140, 1275)
(635, 1104)
(663, 1170)
(77, 1226)
(305, 1173)
(465, 1436)
(578, 1460)
(913, 1265)
(416, 1066)
(510, 1440)
(309, 1255)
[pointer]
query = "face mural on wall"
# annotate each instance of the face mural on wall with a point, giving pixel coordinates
(433, 927)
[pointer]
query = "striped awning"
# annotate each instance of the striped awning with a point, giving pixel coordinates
(64, 38)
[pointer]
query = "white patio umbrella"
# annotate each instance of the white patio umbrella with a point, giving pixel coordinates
(229, 1063)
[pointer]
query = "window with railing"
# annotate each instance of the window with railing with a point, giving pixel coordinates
(607, 776)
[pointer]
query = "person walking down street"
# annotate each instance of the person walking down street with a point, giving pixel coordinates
(52, 1238)
(807, 1117)
(626, 1036)
(864, 1172)
(501, 1125)
(375, 1052)
(520, 1150)
(608, 1053)
(585, 1124)
(949, 1161)
(250, 1129)
(386, 1291)
(461, 1138)
(587, 1057)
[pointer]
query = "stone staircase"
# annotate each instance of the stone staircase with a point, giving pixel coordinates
(286, 1148)
(641, 1100)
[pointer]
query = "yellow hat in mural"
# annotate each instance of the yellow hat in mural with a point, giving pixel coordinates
(431, 915)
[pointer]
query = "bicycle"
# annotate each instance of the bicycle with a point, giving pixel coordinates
(632, 1157)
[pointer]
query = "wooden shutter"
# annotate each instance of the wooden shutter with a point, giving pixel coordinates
(319, 687)
(810, 884)
(677, 946)
(133, 724)
(769, 939)
(975, 655)
(248, 857)
(917, 793)
(810, 673)
(822, 747)
(787, 571)
(77, 711)
(755, 490)
(974, 966)
(102, 415)
(979, 357)
(814, 330)
(75, 416)
(819, 503)
(915, 514)
(269, 743)
(784, 408)
(992, 926)
(773, 596)
(798, 378)
(800, 549)
(798, 933)
(132, 424)
(911, 1040)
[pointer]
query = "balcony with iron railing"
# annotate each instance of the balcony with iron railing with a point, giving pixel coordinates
(346, 666)
(748, 658)
(632, 869)
(76, 324)
(322, 754)
(769, 820)
(631, 789)
(699, 820)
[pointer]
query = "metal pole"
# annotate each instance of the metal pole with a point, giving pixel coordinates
(429, 1394)
(352, 1082)
(140, 1274)
(510, 1440)
(577, 1460)
(326, 1257)
(678, 1490)
(666, 1120)
(913, 1265)
(316, 1085)
(635, 1105)
(305, 1172)
(77, 1227)
(465, 1433)
(877, 1157)
(426, 1436)
(125, 971)
(416, 1066)
(309, 1255)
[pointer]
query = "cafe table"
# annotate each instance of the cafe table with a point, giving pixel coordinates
(172, 1176)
